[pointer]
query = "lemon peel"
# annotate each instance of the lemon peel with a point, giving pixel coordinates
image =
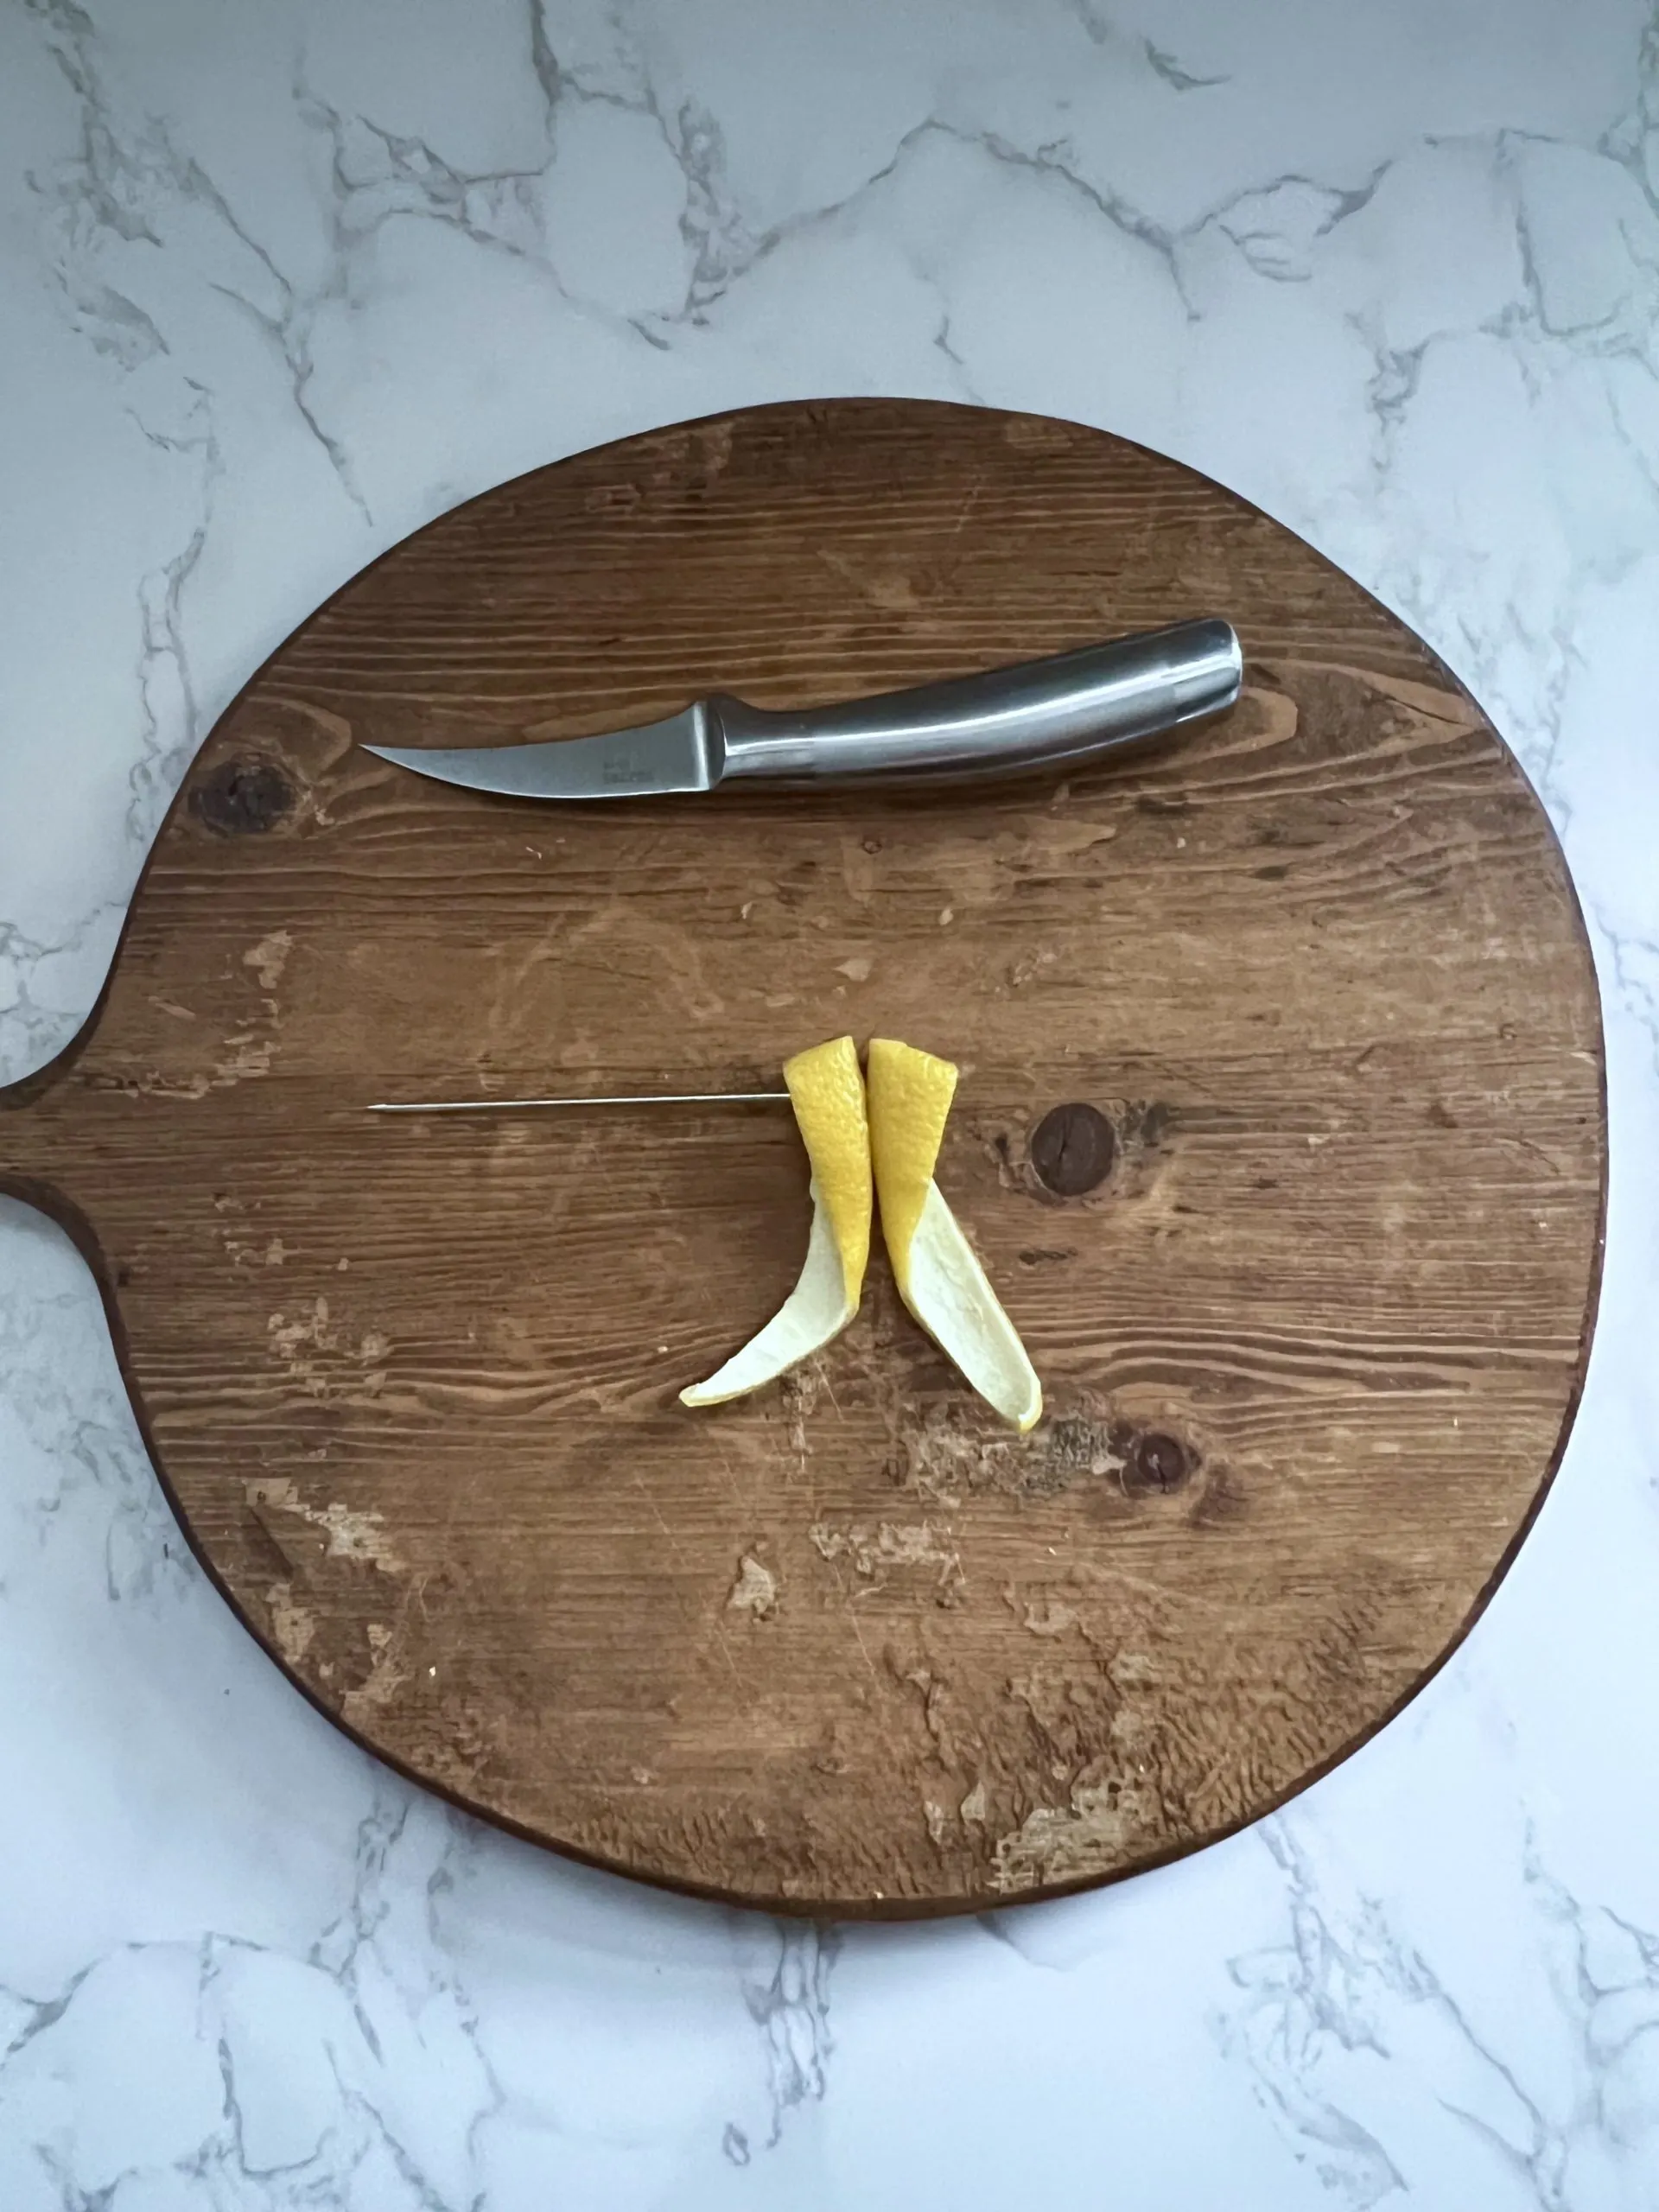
(939, 1277)
(827, 1088)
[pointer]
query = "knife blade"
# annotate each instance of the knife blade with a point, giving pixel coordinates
(1064, 708)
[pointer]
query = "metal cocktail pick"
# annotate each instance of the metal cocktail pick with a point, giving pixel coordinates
(519, 1105)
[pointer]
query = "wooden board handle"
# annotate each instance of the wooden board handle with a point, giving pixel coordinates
(35, 1143)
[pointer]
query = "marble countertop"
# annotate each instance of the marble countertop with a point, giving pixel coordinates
(282, 282)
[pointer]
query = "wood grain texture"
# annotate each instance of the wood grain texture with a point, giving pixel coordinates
(1281, 1129)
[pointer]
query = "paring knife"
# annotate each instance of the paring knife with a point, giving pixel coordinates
(1069, 707)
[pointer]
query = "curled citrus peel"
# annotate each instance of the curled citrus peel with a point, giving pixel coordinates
(828, 1090)
(939, 1278)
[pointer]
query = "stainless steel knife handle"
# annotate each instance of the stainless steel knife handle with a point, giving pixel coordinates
(1067, 708)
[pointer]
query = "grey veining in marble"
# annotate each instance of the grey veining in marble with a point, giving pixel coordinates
(282, 282)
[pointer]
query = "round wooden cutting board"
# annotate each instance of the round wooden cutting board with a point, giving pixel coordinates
(1280, 1131)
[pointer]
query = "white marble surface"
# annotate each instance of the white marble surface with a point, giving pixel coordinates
(283, 279)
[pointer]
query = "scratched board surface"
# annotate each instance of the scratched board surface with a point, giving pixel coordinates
(1280, 1129)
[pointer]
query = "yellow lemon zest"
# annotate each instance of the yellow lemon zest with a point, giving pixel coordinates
(939, 1274)
(827, 1089)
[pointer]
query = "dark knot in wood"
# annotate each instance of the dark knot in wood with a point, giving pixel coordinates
(242, 799)
(1072, 1149)
(1155, 1464)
